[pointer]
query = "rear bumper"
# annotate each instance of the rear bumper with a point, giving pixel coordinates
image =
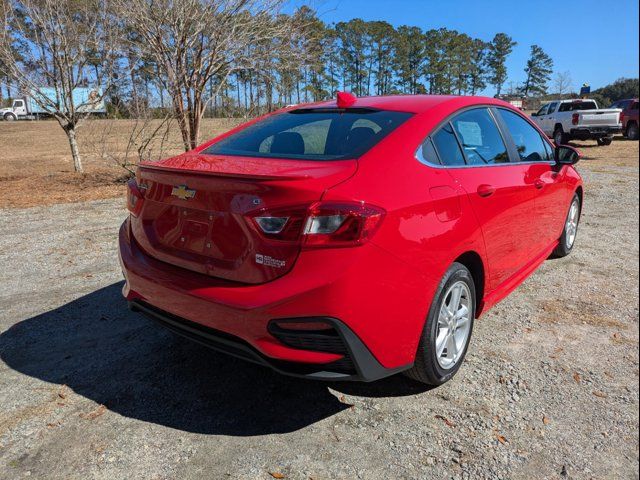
(589, 133)
(357, 365)
(380, 329)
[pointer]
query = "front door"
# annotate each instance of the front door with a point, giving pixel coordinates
(535, 155)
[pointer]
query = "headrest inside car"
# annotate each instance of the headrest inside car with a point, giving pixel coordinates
(358, 136)
(290, 143)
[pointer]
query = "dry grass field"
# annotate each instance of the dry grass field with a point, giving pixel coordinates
(36, 166)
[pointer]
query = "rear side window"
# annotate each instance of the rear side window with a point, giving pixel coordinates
(427, 153)
(312, 134)
(480, 138)
(529, 143)
(447, 146)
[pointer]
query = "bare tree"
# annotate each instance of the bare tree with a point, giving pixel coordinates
(562, 83)
(194, 42)
(148, 139)
(65, 44)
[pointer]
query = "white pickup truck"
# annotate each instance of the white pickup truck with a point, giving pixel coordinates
(565, 120)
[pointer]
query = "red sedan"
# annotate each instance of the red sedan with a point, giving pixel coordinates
(350, 239)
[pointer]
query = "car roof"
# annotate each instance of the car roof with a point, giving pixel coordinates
(413, 103)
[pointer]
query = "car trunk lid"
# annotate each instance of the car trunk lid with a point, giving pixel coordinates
(195, 207)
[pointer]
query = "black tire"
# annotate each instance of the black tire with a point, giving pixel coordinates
(426, 368)
(559, 137)
(603, 142)
(632, 131)
(565, 247)
(10, 117)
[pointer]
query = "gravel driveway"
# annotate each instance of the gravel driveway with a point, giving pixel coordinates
(90, 390)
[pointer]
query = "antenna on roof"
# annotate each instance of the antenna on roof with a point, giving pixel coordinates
(345, 99)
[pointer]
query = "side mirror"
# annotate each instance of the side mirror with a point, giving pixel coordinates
(534, 114)
(566, 155)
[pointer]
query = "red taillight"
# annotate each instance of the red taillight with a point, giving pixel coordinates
(135, 197)
(341, 224)
(575, 118)
(323, 224)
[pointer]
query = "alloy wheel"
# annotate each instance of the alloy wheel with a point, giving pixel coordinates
(454, 324)
(571, 226)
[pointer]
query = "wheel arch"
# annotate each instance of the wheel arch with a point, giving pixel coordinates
(473, 261)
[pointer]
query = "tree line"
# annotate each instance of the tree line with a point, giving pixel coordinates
(188, 58)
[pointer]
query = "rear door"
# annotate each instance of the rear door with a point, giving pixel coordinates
(500, 192)
(535, 155)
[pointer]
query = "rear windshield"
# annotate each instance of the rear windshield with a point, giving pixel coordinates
(312, 134)
(569, 107)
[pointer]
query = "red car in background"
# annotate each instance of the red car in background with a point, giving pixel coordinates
(629, 117)
(350, 239)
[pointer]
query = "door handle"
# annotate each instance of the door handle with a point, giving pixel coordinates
(539, 184)
(485, 190)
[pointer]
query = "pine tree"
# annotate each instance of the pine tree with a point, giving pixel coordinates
(539, 68)
(409, 57)
(499, 49)
(478, 69)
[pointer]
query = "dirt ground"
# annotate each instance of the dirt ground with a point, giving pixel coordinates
(36, 166)
(90, 390)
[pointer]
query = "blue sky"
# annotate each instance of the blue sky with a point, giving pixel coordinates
(597, 41)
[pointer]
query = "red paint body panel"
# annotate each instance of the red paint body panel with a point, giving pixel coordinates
(509, 215)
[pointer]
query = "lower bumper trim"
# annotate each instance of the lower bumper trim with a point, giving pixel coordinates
(367, 368)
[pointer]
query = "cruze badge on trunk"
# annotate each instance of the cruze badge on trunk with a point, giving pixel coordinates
(183, 192)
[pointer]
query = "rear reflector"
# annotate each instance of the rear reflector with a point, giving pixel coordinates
(323, 224)
(135, 197)
(301, 326)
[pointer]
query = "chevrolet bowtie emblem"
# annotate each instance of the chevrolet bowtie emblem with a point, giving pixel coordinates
(183, 192)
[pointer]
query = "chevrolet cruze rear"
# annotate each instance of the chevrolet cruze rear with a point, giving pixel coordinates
(351, 239)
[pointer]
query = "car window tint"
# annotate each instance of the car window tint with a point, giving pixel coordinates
(530, 146)
(314, 137)
(543, 110)
(447, 146)
(427, 153)
(552, 107)
(480, 137)
(577, 105)
(366, 123)
(311, 134)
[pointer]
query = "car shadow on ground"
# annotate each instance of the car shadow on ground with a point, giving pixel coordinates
(122, 360)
